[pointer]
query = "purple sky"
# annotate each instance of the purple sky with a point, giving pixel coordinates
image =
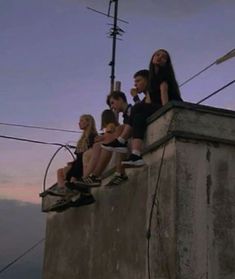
(54, 67)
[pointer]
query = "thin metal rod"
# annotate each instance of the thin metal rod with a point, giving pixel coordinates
(113, 61)
(119, 19)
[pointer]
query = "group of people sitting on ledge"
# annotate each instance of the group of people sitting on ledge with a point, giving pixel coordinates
(93, 152)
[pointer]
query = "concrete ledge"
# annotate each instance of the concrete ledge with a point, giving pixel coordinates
(186, 118)
(191, 106)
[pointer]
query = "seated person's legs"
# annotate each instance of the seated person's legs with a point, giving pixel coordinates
(138, 120)
(94, 154)
(119, 175)
(93, 179)
(102, 163)
(86, 159)
(119, 143)
(98, 158)
(61, 175)
(76, 170)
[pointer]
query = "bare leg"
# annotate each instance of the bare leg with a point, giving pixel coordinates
(86, 160)
(137, 144)
(96, 150)
(119, 167)
(60, 177)
(103, 161)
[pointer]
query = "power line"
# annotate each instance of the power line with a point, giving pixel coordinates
(35, 141)
(21, 256)
(215, 92)
(223, 58)
(155, 202)
(108, 15)
(38, 127)
(192, 77)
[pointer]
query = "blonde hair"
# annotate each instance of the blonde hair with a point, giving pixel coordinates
(83, 142)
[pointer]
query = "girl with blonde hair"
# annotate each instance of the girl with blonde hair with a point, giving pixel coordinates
(74, 169)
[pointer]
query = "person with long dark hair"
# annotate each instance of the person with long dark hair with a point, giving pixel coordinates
(162, 88)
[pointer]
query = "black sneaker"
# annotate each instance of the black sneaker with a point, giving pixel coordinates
(134, 160)
(115, 145)
(90, 181)
(84, 199)
(117, 179)
(47, 191)
(60, 205)
(58, 191)
(76, 201)
(76, 186)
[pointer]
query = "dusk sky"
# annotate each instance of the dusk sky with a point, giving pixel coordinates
(54, 67)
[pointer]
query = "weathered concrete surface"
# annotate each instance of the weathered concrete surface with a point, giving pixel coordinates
(205, 223)
(188, 119)
(193, 218)
(101, 240)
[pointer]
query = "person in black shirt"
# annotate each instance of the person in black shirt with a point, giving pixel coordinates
(162, 88)
(140, 86)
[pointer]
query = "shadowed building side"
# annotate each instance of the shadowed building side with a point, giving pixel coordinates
(180, 227)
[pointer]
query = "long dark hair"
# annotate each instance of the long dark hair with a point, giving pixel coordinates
(164, 73)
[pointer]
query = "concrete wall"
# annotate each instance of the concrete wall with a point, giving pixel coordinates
(193, 217)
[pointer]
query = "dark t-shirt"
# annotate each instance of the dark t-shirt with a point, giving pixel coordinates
(155, 96)
(126, 114)
(77, 165)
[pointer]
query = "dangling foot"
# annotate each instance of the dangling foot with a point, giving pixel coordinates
(133, 160)
(115, 145)
(89, 181)
(117, 179)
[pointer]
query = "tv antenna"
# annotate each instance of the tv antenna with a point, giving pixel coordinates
(114, 32)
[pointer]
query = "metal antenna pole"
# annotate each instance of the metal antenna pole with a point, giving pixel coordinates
(114, 32)
(114, 35)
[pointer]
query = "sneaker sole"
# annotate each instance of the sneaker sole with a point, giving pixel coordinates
(74, 186)
(51, 193)
(60, 207)
(43, 194)
(139, 163)
(83, 202)
(46, 192)
(111, 184)
(117, 149)
(84, 185)
(72, 203)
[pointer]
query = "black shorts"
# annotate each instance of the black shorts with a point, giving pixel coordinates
(76, 169)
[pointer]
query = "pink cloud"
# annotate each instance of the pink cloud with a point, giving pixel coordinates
(21, 193)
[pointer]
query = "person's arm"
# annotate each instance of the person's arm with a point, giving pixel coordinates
(99, 138)
(110, 128)
(164, 93)
(134, 95)
(91, 140)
